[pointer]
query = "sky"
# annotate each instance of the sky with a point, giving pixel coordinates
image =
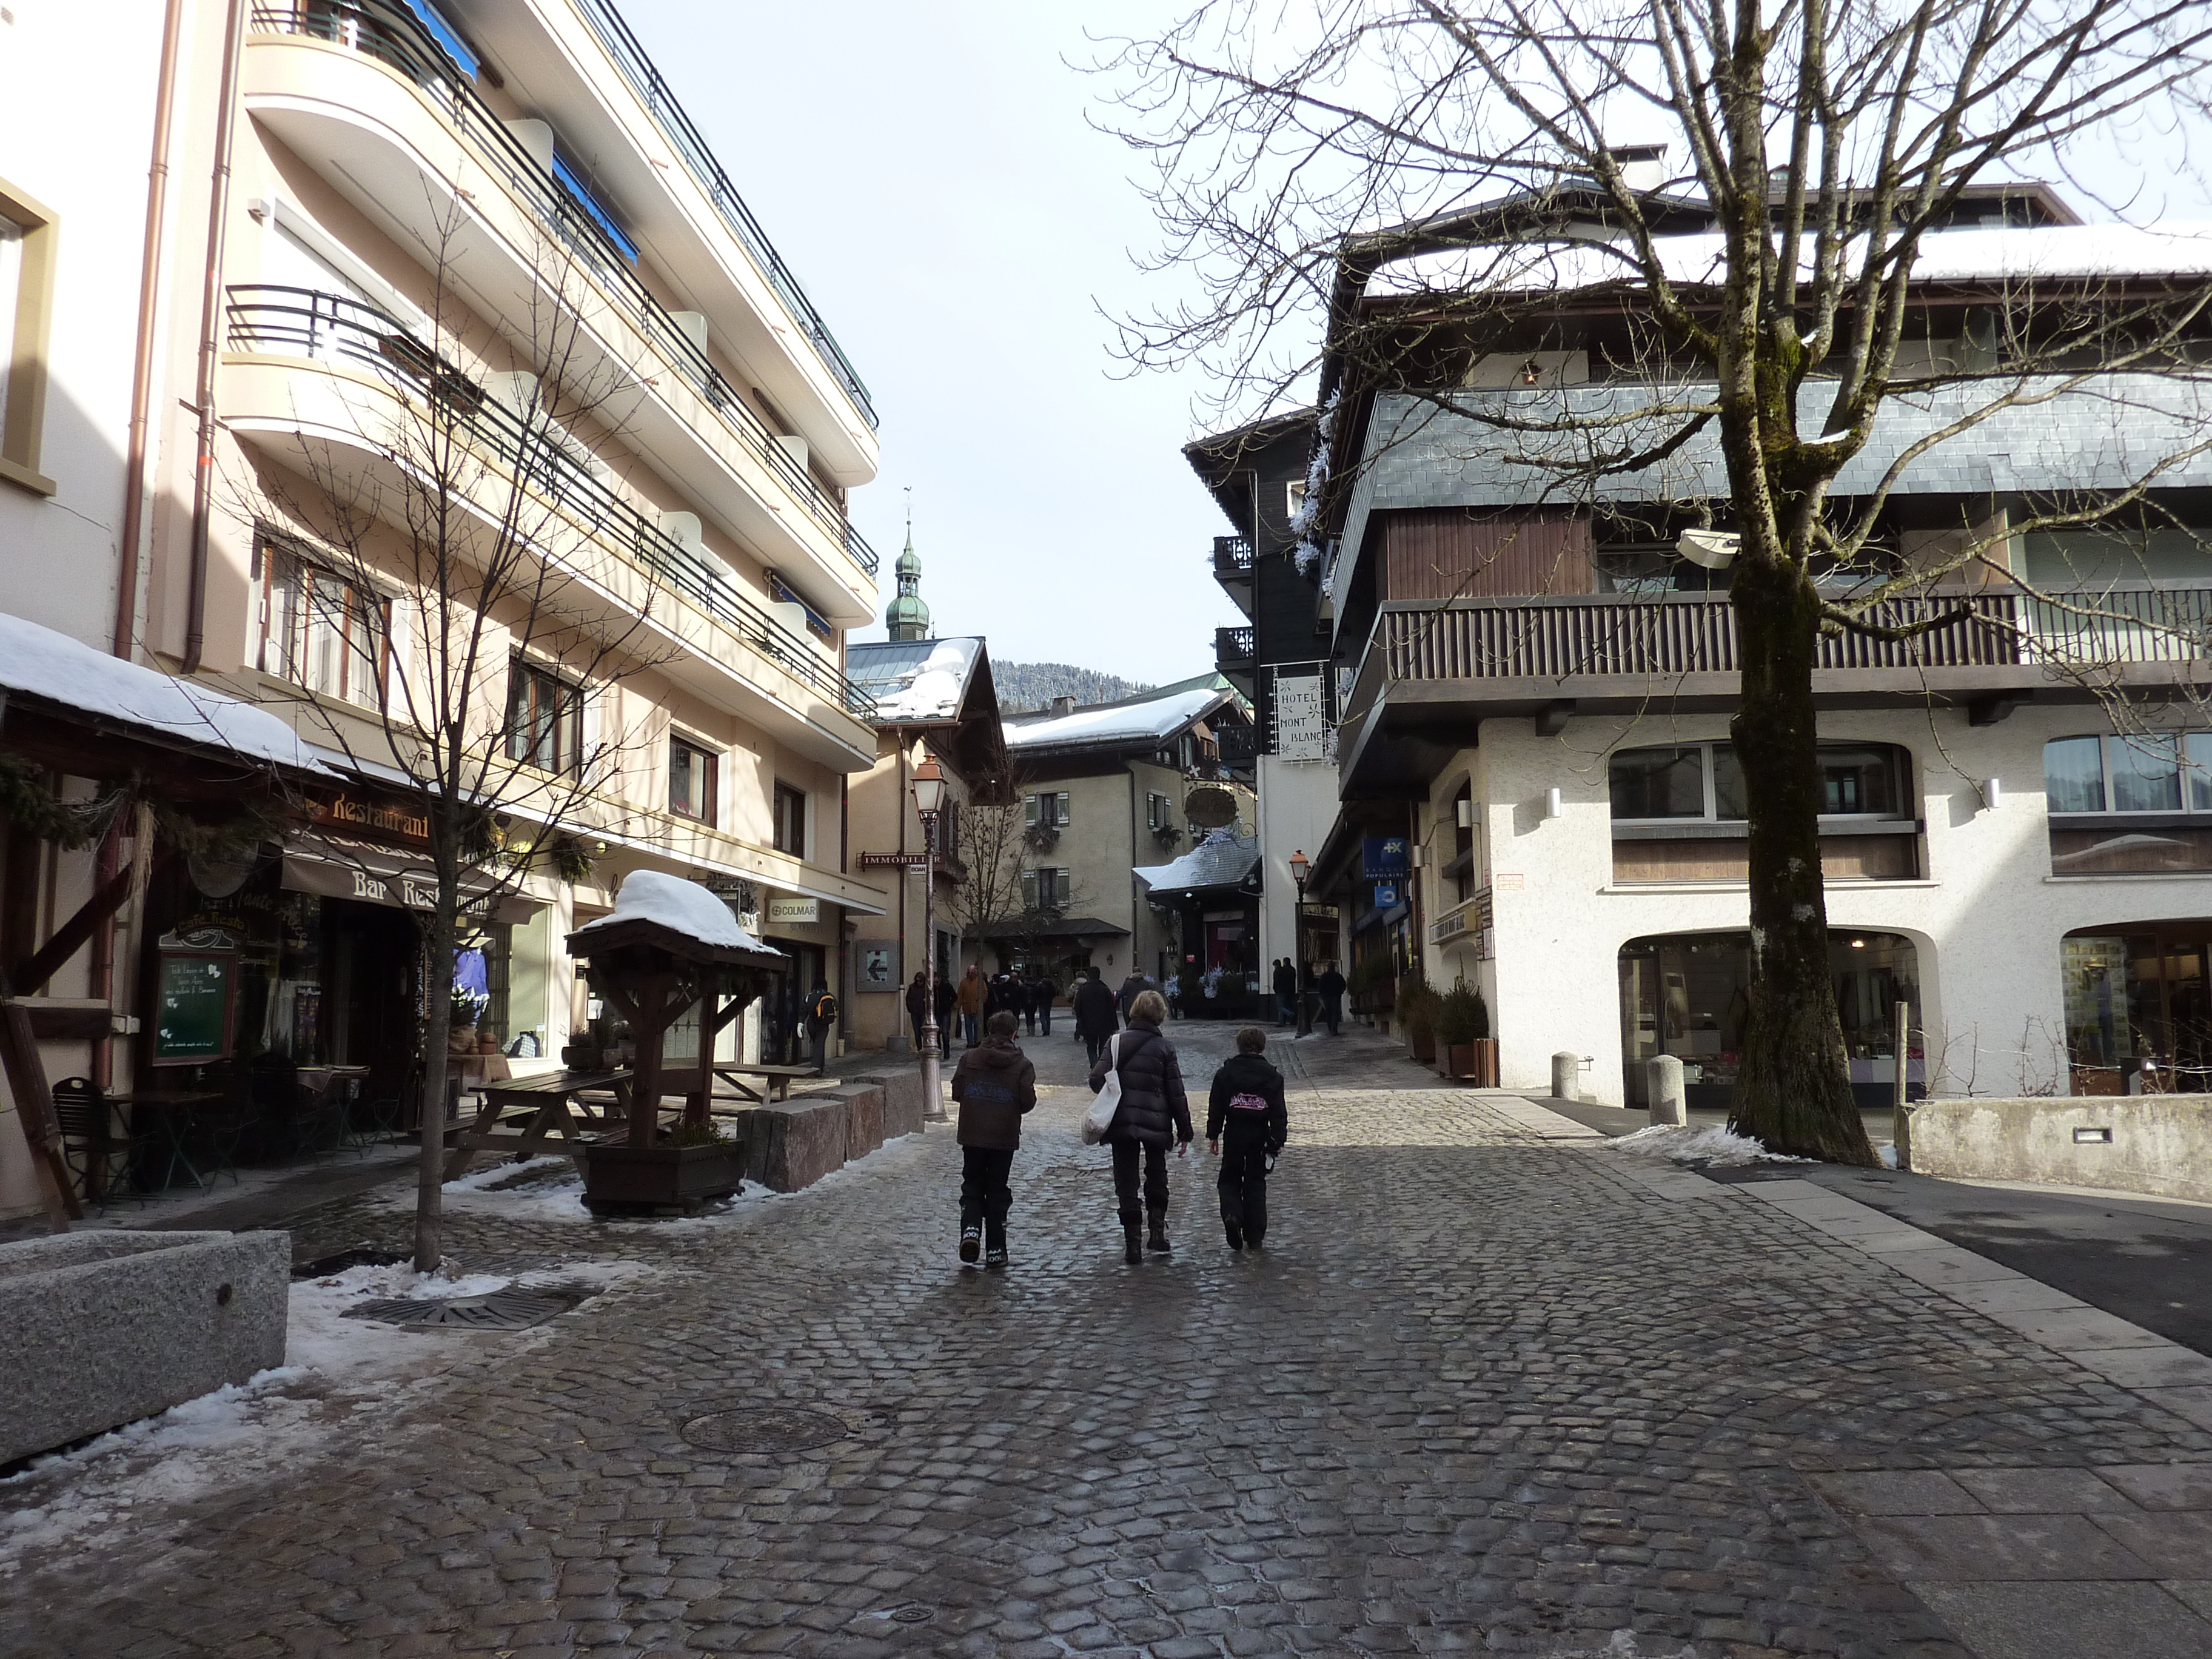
(927, 172)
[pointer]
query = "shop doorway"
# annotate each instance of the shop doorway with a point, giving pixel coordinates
(1686, 994)
(784, 1040)
(2139, 1008)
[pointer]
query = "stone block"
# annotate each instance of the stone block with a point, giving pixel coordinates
(102, 1328)
(864, 1126)
(794, 1143)
(902, 1090)
(2159, 1145)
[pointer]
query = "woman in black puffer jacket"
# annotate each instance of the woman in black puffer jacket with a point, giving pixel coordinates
(1152, 1114)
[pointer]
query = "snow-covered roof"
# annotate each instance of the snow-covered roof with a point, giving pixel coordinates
(2013, 254)
(1157, 718)
(40, 662)
(914, 682)
(1223, 859)
(680, 906)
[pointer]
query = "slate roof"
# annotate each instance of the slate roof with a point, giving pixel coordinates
(1223, 859)
(914, 682)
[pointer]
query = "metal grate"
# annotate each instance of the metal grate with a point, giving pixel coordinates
(501, 1310)
(765, 1429)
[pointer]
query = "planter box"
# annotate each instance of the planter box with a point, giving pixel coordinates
(1423, 1045)
(620, 1177)
(1474, 1062)
(102, 1328)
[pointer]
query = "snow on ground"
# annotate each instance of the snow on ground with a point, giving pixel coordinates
(1685, 1144)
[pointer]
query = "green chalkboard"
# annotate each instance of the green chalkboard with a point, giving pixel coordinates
(192, 1004)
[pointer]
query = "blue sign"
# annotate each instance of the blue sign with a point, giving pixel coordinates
(1386, 895)
(1385, 856)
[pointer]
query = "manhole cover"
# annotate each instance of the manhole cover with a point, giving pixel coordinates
(501, 1310)
(913, 1613)
(765, 1428)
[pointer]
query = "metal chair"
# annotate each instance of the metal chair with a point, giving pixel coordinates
(89, 1139)
(317, 1123)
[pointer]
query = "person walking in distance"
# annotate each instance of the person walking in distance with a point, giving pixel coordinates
(994, 1085)
(821, 1015)
(1135, 986)
(1154, 1113)
(1246, 1123)
(1044, 992)
(1286, 992)
(946, 998)
(1097, 1015)
(969, 1001)
(917, 1007)
(1328, 985)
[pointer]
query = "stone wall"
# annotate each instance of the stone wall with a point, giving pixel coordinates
(2159, 1145)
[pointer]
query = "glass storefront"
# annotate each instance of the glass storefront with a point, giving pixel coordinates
(1687, 995)
(2137, 999)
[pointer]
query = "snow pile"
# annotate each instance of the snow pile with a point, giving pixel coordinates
(44, 664)
(499, 1174)
(318, 1336)
(681, 906)
(1690, 1144)
(1153, 717)
(932, 691)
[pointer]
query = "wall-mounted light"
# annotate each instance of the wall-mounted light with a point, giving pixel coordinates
(1555, 804)
(1420, 856)
(1466, 813)
(1992, 793)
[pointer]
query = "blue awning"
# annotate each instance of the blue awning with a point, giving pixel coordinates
(445, 34)
(582, 194)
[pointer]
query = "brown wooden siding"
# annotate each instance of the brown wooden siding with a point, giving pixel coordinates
(1453, 553)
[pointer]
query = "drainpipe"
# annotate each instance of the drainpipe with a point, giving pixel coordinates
(210, 330)
(142, 364)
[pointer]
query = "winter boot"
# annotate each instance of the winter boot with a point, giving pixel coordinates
(1133, 1244)
(1236, 1235)
(971, 1240)
(994, 1243)
(1158, 1240)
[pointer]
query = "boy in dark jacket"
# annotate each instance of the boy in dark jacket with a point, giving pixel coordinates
(1246, 1109)
(995, 1085)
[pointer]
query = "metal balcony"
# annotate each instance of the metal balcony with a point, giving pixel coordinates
(332, 328)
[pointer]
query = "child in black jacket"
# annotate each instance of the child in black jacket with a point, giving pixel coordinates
(1245, 1108)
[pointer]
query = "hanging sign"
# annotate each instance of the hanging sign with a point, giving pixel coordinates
(1302, 731)
(1385, 856)
(1386, 895)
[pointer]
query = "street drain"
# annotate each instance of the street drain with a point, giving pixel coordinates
(913, 1613)
(765, 1428)
(501, 1310)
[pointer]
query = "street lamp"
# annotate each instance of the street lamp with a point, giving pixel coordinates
(929, 802)
(1301, 867)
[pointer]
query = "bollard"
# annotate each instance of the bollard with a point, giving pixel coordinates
(1663, 1084)
(1566, 1076)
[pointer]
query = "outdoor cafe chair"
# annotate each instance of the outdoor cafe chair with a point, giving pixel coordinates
(89, 1139)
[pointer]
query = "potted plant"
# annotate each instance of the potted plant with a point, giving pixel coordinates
(1417, 1013)
(1464, 1049)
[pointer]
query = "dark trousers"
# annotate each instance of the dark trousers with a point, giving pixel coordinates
(1332, 1011)
(984, 1195)
(969, 1024)
(1095, 1046)
(1242, 1185)
(820, 1042)
(1126, 1154)
(1029, 1021)
(1286, 1008)
(1044, 1018)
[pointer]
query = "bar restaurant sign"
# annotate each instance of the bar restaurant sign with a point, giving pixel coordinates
(794, 911)
(383, 818)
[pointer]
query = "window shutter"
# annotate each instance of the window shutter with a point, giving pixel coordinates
(588, 757)
(1029, 889)
(1062, 817)
(1029, 809)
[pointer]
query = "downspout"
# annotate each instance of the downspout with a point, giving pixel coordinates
(102, 984)
(211, 327)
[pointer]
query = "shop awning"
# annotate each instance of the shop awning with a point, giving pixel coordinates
(335, 867)
(1064, 927)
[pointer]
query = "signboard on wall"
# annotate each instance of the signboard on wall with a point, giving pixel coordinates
(878, 968)
(1302, 730)
(793, 910)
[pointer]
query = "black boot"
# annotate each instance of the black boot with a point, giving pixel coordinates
(1236, 1235)
(1133, 1244)
(1158, 1240)
(994, 1243)
(971, 1239)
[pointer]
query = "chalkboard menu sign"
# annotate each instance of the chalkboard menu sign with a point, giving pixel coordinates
(193, 1003)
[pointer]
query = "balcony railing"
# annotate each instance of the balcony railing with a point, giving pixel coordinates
(388, 32)
(699, 160)
(1240, 744)
(1232, 647)
(1666, 636)
(1232, 556)
(331, 328)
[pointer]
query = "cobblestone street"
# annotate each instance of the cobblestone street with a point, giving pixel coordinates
(1483, 1391)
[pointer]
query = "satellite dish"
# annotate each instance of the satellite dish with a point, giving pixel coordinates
(1211, 808)
(1715, 550)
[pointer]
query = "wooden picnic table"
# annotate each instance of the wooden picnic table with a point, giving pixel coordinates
(775, 1079)
(549, 1101)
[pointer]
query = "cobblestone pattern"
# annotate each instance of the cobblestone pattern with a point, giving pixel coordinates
(1478, 1394)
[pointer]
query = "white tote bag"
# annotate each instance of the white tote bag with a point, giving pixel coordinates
(1100, 1118)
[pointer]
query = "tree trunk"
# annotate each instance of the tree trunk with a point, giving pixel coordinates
(437, 1034)
(1793, 1089)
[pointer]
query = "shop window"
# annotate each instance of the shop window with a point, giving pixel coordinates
(544, 720)
(1045, 888)
(691, 780)
(324, 632)
(790, 827)
(1688, 995)
(2150, 785)
(2139, 1009)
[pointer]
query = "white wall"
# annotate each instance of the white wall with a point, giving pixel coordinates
(1987, 919)
(1297, 805)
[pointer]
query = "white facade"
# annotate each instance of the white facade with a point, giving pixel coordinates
(1297, 805)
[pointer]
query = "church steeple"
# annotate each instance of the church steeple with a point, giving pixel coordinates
(907, 618)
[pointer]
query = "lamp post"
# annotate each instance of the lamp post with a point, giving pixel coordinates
(1301, 867)
(929, 802)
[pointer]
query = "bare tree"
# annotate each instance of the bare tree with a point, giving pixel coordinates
(998, 896)
(1472, 161)
(459, 583)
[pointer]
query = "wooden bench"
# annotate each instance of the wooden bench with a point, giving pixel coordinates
(776, 1080)
(548, 1102)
